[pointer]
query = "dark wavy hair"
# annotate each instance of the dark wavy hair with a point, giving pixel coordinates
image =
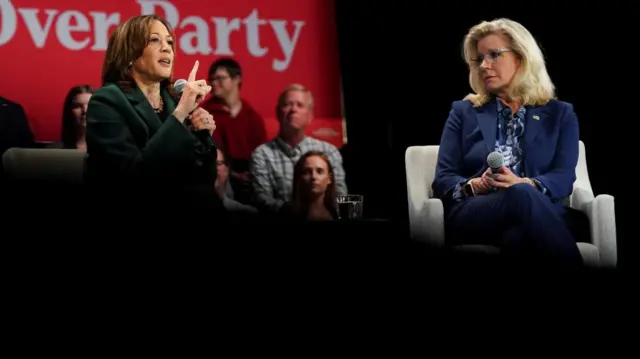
(300, 201)
(69, 124)
(126, 45)
(230, 65)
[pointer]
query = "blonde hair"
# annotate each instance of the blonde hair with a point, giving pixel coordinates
(531, 84)
(294, 87)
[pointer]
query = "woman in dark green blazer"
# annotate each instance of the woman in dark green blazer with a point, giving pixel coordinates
(145, 149)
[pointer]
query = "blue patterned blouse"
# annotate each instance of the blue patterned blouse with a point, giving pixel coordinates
(508, 140)
(510, 132)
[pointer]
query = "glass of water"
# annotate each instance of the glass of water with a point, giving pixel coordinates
(350, 207)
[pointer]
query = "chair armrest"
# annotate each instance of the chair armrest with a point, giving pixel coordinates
(427, 222)
(602, 219)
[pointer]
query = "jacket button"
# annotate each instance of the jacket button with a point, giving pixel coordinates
(199, 163)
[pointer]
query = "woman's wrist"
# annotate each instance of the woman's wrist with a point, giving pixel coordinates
(179, 115)
(530, 181)
(473, 184)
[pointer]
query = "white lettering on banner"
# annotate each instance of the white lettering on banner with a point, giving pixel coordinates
(102, 24)
(287, 44)
(194, 40)
(38, 33)
(223, 28)
(171, 14)
(252, 22)
(64, 29)
(200, 37)
(9, 21)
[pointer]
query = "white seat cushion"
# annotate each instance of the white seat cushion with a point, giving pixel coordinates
(590, 253)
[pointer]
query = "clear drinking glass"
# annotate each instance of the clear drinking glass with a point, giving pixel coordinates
(350, 207)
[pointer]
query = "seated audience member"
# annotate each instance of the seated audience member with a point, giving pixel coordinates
(314, 191)
(272, 163)
(224, 190)
(14, 127)
(239, 128)
(513, 111)
(74, 117)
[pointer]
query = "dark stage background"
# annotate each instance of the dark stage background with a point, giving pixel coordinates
(398, 57)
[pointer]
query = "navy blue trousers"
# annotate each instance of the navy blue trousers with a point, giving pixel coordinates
(520, 220)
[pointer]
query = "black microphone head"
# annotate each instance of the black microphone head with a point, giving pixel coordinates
(495, 160)
(179, 85)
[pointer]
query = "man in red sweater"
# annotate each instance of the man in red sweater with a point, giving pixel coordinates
(239, 128)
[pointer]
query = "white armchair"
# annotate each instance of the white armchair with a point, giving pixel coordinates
(426, 214)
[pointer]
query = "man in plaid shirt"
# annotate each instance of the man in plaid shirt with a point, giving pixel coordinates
(272, 163)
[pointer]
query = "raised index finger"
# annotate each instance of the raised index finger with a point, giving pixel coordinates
(194, 70)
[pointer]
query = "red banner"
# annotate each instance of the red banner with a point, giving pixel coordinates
(47, 47)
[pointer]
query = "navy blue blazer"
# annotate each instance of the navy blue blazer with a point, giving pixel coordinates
(550, 146)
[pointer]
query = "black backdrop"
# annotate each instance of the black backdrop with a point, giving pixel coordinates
(398, 56)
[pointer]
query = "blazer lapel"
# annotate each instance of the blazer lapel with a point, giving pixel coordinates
(144, 109)
(488, 123)
(533, 122)
(169, 101)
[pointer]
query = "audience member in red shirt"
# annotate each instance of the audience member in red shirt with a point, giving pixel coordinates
(239, 128)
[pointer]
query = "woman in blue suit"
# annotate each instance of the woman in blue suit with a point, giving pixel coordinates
(513, 111)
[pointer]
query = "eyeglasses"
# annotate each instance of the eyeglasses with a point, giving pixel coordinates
(492, 56)
(219, 78)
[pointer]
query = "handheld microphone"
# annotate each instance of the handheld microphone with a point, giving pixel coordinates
(203, 135)
(495, 160)
(178, 86)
